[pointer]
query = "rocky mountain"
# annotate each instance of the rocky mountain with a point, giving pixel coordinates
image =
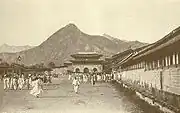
(66, 41)
(5, 48)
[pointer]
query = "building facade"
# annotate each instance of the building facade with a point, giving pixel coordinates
(155, 70)
(86, 62)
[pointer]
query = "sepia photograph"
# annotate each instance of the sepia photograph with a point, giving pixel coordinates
(89, 56)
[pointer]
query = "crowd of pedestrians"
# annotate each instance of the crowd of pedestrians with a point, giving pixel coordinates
(80, 78)
(33, 82)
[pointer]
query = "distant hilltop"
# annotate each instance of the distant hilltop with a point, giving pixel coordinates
(5, 48)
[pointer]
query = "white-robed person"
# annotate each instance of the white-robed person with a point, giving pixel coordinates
(69, 78)
(29, 80)
(14, 82)
(36, 87)
(21, 82)
(6, 81)
(85, 78)
(76, 85)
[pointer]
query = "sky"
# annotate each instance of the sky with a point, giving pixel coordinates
(30, 22)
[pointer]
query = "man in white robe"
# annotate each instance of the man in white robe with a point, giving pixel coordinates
(98, 77)
(37, 87)
(21, 82)
(6, 81)
(69, 77)
(14, 82)
(29, 81)
(76, 85)
(11, 82)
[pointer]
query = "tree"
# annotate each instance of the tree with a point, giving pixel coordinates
(41, 65)
(4, 64)
(51, 64)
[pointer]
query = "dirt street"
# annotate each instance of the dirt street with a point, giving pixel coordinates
(59, 97)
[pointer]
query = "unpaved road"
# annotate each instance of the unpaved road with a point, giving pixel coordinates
(59, 97)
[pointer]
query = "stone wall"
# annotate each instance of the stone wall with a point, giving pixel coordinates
(150, 78)
(162, 84)
(171, 80)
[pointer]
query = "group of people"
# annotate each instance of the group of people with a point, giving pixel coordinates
(15, 81)
(31, 81)
(84, 78)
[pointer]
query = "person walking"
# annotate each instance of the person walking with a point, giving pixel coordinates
(69, 78)
(15, 82)
(11, 82)
(30, 80)
(21, 82)
(76, 85)
(49, 79)
(93, 79)
(85, 78)
(6, 81)
(36, 87)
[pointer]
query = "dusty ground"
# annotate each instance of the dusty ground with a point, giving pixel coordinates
(60, 98)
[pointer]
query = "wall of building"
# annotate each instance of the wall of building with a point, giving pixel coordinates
(150, 78)
(167, 79)
(89, 66)
(162, 84)
(171, 80)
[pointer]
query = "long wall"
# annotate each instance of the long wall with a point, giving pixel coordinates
(152, 77)
(167, 79)
(162, 84)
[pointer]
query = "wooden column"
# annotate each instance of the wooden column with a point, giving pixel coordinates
(169, 60)
(166, 61)
(177, 58)
(174, 58)
(158, 63)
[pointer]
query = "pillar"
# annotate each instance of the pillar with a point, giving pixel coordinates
(163, 62)
(153, 64)
(174, 58)
(169, 60)
(177, 58)
(166, 61)
(158, 63)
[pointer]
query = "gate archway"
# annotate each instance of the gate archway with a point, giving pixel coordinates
(95, 70)
(86, 70)
(77, 70)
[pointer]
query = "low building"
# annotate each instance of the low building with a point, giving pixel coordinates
(156, 70)
(86, 62)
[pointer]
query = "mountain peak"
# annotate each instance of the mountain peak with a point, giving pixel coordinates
(71, 25)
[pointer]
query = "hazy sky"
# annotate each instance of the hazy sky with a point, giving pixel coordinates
(30, 22)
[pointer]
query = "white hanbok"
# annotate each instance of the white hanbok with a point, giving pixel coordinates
(30, 81)
(14, 82)
(6, 83)
(21, 83)
(85, 78)
(37, 88)
(69, 77)
(76, 85)
(11, 83)
(98, 78)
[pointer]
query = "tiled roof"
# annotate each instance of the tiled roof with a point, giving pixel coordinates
(168, 40)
